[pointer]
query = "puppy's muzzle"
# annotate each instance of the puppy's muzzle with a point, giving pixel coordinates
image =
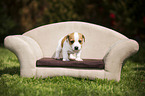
(76, 47)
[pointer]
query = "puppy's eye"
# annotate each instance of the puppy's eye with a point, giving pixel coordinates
(80, 41)
(72, 42)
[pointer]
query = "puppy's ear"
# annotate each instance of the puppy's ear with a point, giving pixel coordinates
(67, 38)
(83, 37)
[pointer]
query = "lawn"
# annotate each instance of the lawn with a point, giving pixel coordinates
(132, 81)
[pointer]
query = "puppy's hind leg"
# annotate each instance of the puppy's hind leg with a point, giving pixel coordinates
(57, 53)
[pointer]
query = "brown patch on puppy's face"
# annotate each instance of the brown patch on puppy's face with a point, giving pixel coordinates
(81, 38)
(71, 38)
(75, 41)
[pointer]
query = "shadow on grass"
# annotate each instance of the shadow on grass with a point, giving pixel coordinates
(11, 71)
(139, 57)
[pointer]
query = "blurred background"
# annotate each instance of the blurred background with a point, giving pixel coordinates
(124, 16)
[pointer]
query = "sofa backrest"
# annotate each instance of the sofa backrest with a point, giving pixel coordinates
(98, 39)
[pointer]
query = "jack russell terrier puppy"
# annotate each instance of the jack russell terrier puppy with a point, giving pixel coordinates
(69, 45)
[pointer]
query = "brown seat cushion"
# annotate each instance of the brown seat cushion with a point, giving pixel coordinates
(86, 63)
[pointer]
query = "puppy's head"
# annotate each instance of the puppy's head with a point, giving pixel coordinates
(76, 41)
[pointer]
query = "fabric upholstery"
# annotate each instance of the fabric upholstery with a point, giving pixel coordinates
(86, 63)
(44, 72)
(27, 50)
(101, 43)
(97, 36)
(120, 51)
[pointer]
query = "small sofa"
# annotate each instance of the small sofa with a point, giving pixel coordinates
(101, 43)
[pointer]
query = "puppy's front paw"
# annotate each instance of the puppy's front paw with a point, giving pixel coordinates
(72, 56)
(66, 60)
(79, 59)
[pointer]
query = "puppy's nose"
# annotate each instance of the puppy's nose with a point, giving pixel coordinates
(76, 47)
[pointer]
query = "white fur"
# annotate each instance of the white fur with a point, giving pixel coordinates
(69, 50)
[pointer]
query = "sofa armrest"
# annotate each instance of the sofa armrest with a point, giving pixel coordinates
(28, 52)
(117, 54)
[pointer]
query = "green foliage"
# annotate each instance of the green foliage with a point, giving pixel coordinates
(19, 16)
(129, 15)
(131, 84)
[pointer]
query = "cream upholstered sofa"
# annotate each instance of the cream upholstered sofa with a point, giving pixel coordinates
(101, 43)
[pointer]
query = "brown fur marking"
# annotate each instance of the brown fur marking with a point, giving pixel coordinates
(71, 38)
(81, 38)
(63, 41)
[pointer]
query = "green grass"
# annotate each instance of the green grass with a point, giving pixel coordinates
(132, 81)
